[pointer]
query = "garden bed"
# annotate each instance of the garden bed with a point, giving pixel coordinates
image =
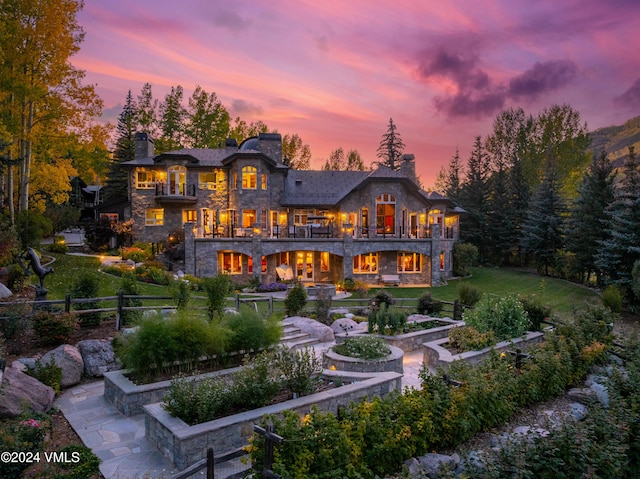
(185, 445)
(393, 362)
(129, 398)
(436, 353)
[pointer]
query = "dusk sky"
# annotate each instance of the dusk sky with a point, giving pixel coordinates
(335, 71)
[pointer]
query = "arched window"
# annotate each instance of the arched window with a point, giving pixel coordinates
(249, 178)
(385, 214)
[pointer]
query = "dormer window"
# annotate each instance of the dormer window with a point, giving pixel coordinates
(249, 178)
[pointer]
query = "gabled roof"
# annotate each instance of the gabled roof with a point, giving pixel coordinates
(211, 157)
(319, 188)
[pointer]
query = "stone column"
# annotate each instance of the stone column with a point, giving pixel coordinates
(435, 254)
(347, 264)
(189, 249)
(256, 256)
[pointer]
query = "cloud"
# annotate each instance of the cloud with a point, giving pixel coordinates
(241, 107)
(231, 19)
(541, 78)
(631, 98)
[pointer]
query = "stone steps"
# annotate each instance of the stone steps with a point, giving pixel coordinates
(294, 338)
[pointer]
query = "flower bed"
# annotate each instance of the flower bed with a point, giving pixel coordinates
(185, 445)
(392, 362)
(129, 398)
(436, 353)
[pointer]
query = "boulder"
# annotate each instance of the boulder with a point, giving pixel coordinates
(313, 328)
(19, 390)
(4, 291)
(432, 463)
(98, 357)
(67, 358)
(344, 325)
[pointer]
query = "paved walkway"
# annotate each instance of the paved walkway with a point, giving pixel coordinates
(120, 442)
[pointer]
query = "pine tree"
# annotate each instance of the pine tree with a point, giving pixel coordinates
(172, 121)
(390, 149)
(448, 181)
(116, 183)
(473, 198)
(588, 223)
(499, 217)
(621, 249)
(543, 228)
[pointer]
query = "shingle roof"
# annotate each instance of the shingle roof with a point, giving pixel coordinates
(319, 188)
(202, 156)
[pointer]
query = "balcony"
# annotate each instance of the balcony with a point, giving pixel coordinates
(176, 193)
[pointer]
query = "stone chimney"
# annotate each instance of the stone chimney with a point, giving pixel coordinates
(408, 166)
(271, 145)
(143, 145)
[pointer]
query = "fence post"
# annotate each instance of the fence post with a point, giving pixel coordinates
(270, 305)
(67, 303)
(457, 315)
(210, 463)
(119, 309)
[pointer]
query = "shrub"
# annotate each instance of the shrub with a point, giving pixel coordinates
(87, 465)
(386, 320)
(250, 331)
(536, 311)
(612, 298)
(365, 347)
(58, 245)
(468, 294)
(130, 287)
(86, 285)
(54, 328)
(296, 300)
(382, 297)
(467, 338)
(465, 255)
(217, 289)
(137, 253)
(181, 293)
(271, 287)
(13, 322)
(348, 284)
(49, 374)
(300, 369)
(429, 306)
(26, 433)
(505, 316)
(15, 279)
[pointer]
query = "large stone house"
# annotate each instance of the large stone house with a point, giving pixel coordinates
(244, 212)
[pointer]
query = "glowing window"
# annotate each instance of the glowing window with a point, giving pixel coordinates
(154, 216)
(409, 262)
(365, 263)
(249, 178)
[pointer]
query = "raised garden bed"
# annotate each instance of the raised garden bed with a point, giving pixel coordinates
(393, 362)
(185, 445)
(436, 353)
(129, 398)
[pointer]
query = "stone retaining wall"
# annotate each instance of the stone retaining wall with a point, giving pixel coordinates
(393, 362)
(436, 354)
(185, 445)
(129, 398)
(414, 340)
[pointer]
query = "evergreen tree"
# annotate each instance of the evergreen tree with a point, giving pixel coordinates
(117, 181)
(390, 149)
(621, 249)
(542, 230)
(473, 198)
(589, 220)
(448, 181)
(500, 217)
(519, 204)
(148, 111)
(172, 121)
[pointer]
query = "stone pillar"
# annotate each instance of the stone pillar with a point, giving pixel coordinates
(189, 249)
(256, 256)
(347, 264)
(435, 254)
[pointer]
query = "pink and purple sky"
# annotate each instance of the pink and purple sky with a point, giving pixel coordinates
(335, 71)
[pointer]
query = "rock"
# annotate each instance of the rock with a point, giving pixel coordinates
(20, 390)
(98, 357)
(24, 363)
(343, 311)
(342, 325)
(4, 291)
(578, 411)
(313, 328)
(128, 331)
(433, 463)
(68, 359)
(602, 393)
(581, 395)
(529, 432)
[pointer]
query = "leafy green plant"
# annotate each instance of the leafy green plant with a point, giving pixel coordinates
(296, 300)
(49, 374)
(13, 323)
(217, 289)
(16, 277)
(85, 286)
(386, 320)
(465, 255)
(382, 297)
(468, 294)
(536, 311)
(612, 298)
(53, 328)
(130, 287)
(364, 347)
(467, 338)
(251, 331)
(87, 465)
(505, 316)
(429, 306)
(181, 293)
(300, 369)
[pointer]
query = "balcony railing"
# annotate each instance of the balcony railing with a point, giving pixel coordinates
(164, 189)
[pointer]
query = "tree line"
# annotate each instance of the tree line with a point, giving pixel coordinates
(534, 194)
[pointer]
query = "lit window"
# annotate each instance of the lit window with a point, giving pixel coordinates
(249, 177)
(324, 261)
(365, 263)
(409, 262)
(263, 181)
(230, 263)
(208, 181)
(264, 264)
(189, 216)
(145, 179)
(154, 217)
(248, 218)
(385, 214)
(442, 261)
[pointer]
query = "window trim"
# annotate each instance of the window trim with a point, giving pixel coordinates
(366, 256)
(154, 220)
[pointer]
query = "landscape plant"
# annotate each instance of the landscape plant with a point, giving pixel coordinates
(296, 300)
(85, 286)
(467, 338)
(49, 374)
(53, 327)
(250, 331)
(429, 306)
(505, 316)
(217, 288)
(181, 293)
(468, 295)
(23, 434)
(612, 298)
(130, 287)
(386, 320)
(363, 347)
